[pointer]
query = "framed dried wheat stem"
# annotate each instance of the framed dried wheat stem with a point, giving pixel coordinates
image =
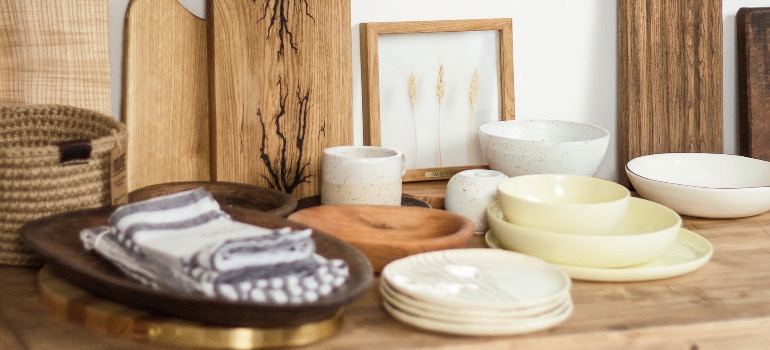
(429, 86)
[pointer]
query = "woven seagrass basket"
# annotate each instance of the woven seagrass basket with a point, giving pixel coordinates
(53, 159)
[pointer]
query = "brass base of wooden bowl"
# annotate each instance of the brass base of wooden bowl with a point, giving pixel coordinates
(80, 307)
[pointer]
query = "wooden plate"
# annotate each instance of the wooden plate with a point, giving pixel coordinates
(387, 233)
(406, 201)
(228, 194)
(56, 238)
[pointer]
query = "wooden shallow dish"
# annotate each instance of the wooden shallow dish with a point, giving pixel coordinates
(56, 238)
(228, 194)
(406, 201)
(388, 233)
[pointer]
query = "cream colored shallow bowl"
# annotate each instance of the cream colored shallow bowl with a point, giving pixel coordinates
(703, 184)
(563, 203)
(646, 230)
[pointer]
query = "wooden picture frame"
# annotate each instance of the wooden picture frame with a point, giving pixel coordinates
(417, 74)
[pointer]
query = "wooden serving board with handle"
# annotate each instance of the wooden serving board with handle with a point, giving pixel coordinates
(669, 78)
(281, 89)
(55, 54)
(165, 94)
(753, 71)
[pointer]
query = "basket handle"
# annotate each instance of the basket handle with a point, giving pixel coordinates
(74, 152)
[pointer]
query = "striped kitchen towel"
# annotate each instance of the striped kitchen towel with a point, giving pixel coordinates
(185, 242)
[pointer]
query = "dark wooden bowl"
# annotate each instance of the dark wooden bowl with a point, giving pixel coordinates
(228, 194)
(387, 233)
(56, 238)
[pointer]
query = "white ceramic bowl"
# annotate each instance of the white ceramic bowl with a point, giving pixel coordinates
(703, 184)
(563, 203)
(522, 147)
(645, 232)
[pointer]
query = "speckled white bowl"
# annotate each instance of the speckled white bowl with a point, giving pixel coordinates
(470, 192)
(523, 147)
(703, 184)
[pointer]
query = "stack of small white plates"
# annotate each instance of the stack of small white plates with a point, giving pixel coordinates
(476, 292)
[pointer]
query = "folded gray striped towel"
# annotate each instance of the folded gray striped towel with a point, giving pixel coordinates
(165, 215)
(284, 250)
(184, 242)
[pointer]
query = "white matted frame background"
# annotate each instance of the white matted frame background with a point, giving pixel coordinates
(428, 87)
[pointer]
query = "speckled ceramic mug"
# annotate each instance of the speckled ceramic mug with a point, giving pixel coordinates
(362, 175)
(470, 192)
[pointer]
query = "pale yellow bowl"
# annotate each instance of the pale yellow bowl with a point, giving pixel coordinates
(646, 231)
(563, 203)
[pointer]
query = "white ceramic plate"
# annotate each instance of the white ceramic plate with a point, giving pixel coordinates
(689, 252)
(477, 278)
(455, 314)
(556, 311)
(464, 328)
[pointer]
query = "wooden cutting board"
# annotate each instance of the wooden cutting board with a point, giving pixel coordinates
(669, 78)
(50, 53)
(165, 94)
(282, 89)
(753, 71)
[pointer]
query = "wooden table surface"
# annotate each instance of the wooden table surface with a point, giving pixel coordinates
(725, 304)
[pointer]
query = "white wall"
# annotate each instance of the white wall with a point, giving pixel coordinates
(564, 55)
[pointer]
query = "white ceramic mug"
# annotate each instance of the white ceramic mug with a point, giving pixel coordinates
(362, 175)
(470, 192)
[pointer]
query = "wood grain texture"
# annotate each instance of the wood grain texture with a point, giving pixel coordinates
(669, 78)
(281, 89)
(370, 77)
(8, 340)
(165, 94)
(227, 194)
(723, 305)
(388, 233)
(431, 192)
(55, 52)
(80, 307)
(753, 71)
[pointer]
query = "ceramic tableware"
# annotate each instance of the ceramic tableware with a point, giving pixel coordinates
(474, 329)
(688, 253)
(645, 231)
(522, 147)
(563, 203)
(437, 310)
(361, 175)
(476, 292)
(477, 278)
(703, 184)
(470, 192)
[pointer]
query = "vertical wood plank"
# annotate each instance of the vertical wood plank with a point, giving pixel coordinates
(281, 89)
(669, 78)
(55, 52)
(165, 94)
(753, 70)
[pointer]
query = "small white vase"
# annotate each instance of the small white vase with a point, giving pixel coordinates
(470, 192)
